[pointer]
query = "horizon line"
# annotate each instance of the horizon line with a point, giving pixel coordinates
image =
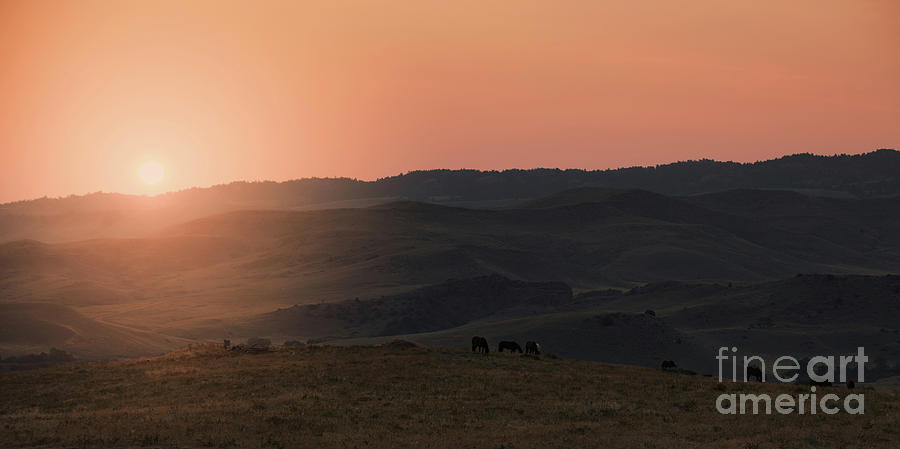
(406, 173)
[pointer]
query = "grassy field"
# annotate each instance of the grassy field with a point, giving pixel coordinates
(395, 397)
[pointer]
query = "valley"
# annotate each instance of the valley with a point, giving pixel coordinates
(576, 270)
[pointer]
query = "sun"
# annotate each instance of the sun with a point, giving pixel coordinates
(151, 172)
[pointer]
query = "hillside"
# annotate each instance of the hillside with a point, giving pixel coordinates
(805, 315)
(446, 305)
(34, 327)
(399, 397)
(105, 215)
(205, 278)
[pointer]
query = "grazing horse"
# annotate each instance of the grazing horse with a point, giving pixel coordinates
(669, 364)
(511, 346)
(531, 347)
(480, 344)
(754, 371)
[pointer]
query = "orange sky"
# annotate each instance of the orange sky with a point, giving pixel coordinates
(220, 91)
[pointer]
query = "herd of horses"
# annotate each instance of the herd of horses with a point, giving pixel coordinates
(480, 344)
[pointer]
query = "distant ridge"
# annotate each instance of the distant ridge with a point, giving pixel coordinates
(98, 215)
(862, 175)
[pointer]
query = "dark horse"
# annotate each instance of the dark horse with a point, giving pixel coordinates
(480, 344)
(754, 371)
(511, 346)
(669, 364)
(531, 347)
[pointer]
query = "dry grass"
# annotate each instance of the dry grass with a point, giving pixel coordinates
(402, 397)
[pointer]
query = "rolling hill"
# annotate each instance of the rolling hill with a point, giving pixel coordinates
(34, 327)
(208, 278)
(803, 316)
(442, 306)
(106, 215)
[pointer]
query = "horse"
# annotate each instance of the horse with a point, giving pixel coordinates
(531, 347)
(511, 346)
(480, 344)
(669, 364)
(754, 371)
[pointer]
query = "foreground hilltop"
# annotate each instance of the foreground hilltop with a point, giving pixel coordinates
(399, 396)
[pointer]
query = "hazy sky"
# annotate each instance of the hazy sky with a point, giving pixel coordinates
(220, 91)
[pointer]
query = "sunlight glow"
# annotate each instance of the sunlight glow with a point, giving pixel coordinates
(151, 172)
